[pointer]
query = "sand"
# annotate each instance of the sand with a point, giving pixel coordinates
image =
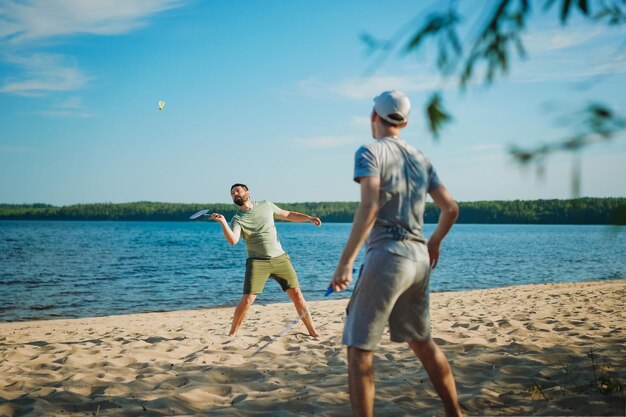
(527, 350)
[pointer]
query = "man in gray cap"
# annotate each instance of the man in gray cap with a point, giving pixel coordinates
(392, 288)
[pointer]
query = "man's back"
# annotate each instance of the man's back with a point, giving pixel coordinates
(406, 176)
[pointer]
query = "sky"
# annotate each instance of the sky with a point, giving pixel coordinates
(277, 94)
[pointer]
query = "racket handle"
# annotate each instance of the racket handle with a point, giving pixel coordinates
(330, 289)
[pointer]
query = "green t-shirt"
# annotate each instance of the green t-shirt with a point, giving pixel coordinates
(258, 230)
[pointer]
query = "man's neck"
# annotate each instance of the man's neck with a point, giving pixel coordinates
(248, 205)
(388, 132)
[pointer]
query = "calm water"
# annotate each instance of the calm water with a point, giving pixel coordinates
(78, 269)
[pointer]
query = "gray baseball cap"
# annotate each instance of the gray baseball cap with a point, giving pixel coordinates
(392, 102)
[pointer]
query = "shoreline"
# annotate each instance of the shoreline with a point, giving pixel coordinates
(581, 210)
(261, 302)
(534, 349)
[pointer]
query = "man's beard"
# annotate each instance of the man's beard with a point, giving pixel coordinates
(240, 201)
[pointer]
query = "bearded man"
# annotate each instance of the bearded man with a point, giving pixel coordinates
(254, 222)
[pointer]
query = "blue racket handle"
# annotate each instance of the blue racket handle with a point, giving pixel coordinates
(330, 290)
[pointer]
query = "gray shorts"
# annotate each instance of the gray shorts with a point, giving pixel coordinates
(391, 289)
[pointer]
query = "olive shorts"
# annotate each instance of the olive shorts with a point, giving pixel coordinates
(258, 270)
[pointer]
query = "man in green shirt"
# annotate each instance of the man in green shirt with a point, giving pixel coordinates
(265, 256)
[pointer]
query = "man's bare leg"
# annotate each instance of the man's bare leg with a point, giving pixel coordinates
(240, 312)
(439, 372)
(361, 381)
(298, 301)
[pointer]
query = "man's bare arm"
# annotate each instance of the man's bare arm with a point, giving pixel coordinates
(294, 216)
(364, 220)
(449, 213)
(231, 235)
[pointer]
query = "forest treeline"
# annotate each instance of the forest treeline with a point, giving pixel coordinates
(572, 211)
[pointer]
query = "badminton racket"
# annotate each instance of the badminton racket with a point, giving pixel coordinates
(204, 212)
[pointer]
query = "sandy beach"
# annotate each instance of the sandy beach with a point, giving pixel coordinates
(528, 350)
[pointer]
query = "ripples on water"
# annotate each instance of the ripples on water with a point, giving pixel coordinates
(78, 269)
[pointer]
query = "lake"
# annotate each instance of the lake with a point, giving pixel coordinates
(59, 269)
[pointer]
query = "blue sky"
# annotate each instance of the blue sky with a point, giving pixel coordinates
(276, 94)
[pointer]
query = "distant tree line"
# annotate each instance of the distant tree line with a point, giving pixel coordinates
(572, 211)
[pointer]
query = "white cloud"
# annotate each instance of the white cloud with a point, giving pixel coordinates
(572, 54)
(362, 122)
(64, 114)
(368, 87)
(558, 39)
(71, 103)
(43, 72)
(570, 69)
(325, 142)
(364, 88)
(71, 107)
(615, 64)
(26, 24)
(23, 21)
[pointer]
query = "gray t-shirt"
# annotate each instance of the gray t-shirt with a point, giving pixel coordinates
(258, 230)
(406, 176)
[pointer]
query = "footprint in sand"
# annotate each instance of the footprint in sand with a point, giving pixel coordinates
(503, 323)
(238, 398)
